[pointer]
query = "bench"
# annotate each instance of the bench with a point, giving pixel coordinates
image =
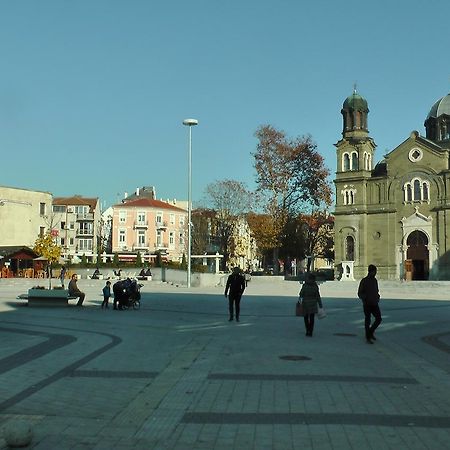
(47, 297)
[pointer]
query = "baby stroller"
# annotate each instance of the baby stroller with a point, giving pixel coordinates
(127, 294)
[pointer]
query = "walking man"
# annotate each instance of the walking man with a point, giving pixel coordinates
(370, 296)
(234, 289)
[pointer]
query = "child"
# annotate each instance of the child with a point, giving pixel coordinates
(106, 294)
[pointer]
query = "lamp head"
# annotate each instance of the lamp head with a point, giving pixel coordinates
(190, 122)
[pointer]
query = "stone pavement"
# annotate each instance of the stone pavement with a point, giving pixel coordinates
(177, 375)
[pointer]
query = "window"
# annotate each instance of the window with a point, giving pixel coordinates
(122, 237)
(85, 244)
(182, 221)
(81, 209)
(416, 190)
(63, 225)
(85, 228)
(354, 165)
(71, 241)
(41, 231)
(141, 218)
(159, 218)
(141, 238)
(59, 208)
(349, 195)
(171, 239)
(181, 238)
(172, 219)
(158, 238)
(42, 209)
(122, 216)
(63, 242)
(349, 248)
(346, 162)
(72, 225)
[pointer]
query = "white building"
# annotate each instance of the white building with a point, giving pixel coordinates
(24, 216)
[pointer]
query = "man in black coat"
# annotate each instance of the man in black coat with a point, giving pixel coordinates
(370, 296)
(234, 289)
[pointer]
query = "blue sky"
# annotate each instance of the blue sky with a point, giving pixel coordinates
(93, 92)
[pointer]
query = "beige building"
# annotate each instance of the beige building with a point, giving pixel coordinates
(147, 226)
(24, 215)
(394, 214)
(77, 221)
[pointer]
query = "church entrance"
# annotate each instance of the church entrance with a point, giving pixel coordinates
(417, 256)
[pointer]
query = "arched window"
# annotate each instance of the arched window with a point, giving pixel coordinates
(425, 191)
(417, 190)
(408, 193)
(349, 196)
(345, 162)
(369, 162)
(354, 161)
(417, 195)
(349, 248)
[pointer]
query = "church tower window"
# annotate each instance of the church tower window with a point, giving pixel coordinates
(345, 162)
(354, 165)
(349, 248)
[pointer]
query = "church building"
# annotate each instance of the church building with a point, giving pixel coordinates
(395, 214)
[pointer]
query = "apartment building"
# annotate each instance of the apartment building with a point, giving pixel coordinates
(77, 221)
(147, 225)
(24, 215)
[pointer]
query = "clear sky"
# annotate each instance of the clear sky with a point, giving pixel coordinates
(93, 92)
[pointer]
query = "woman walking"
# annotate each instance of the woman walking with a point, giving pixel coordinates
(311, 301)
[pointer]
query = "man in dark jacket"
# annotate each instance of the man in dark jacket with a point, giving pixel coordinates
(370, 296)
(235, 287)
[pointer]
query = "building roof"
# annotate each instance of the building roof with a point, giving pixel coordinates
(355, 102)
(148, 203)
(442, 106)
(9, 251)
(76, 200)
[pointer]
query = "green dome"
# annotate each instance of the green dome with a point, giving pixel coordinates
(442, 106)
(355, 102)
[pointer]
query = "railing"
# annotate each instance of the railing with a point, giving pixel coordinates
(161, 224)
(82, 232)
(86, 216)
(141, 224)
(160, 246)
(140, 247)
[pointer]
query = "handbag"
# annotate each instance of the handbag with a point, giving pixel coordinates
(299, 308)
(321, 314)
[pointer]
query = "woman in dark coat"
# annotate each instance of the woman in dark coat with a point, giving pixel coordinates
(311, 301)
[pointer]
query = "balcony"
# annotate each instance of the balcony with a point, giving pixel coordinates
(161, 246)
(82, 232)
(161, 225)
(140, 224)
(86, 216)
(139, 247)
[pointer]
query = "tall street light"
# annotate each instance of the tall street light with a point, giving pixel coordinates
(190, 123)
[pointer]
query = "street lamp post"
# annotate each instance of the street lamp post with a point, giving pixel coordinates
(190, 123)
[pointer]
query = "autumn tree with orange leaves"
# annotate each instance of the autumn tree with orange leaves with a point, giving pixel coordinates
(291, 178)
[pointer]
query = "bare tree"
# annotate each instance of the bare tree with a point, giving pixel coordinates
(230, 200)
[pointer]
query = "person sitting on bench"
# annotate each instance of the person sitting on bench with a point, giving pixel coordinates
(74, 291)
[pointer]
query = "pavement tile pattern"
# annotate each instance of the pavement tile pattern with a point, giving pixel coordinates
(177, 375)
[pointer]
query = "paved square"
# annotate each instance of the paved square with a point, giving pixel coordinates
(177, 375)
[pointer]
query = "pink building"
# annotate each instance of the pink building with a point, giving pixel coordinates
(146, 225)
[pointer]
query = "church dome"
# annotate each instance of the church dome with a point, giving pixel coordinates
(442, 106)
(355, 102)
